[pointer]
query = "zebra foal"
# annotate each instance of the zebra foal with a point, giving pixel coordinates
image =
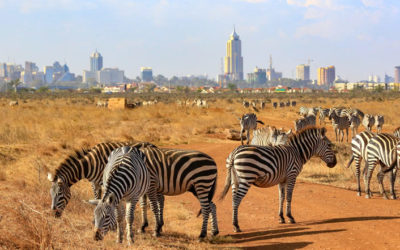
(248, 122)
(340, 124)
(125, 177)
(269, 166)
(368, 121)
(379, 121)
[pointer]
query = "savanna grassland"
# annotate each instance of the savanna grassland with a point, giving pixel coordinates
(39, 133)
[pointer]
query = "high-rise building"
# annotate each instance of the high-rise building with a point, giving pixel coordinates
(397, 74)
(234, 60)
(326, 75)
(303, 72)
(110, 76)
(96, 62)
(48, 74)
(259, 76)
(146, 74)
(271, 73)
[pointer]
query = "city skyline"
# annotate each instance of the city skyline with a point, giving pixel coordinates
(358, 37)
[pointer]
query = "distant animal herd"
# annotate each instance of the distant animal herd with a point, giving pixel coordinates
(139, 172)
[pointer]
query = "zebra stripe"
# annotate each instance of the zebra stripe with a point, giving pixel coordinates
(368, 121)
(248, 122)
(125, 177)
(268, 136)
(379, 121)
(381, 148)
(85, 165)
(304, 122)
(339, 124)
(323, 113)
(358, 148)
(354, 124)
(304, 111)
(176, 171)
(396, 132)
(269, 166)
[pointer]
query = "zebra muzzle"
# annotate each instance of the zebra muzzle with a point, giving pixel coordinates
(98, 235)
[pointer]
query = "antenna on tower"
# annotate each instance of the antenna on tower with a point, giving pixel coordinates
(270, 61)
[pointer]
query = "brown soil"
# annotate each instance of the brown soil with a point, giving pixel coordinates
(327, 217)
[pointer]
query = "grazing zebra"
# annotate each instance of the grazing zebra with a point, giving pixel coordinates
(246, 104)
(288, 104)
(379, 121)
(125, 177)
(281, 104)
(396, 132)
(87, 164)
(247, 122)
(13, 103)
(368, 121)
(304, 122)
(269, 166)
(270, 136)
(358, 148)
(323, 113)
(381, 148)
(176, 171)
(354, 123)
(293, 103)
(304, 111)
(339, 124)
(275, 105)
(262, 105)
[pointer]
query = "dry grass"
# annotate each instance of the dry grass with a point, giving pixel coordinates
(37, 135)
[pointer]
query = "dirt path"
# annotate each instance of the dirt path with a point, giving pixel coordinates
(327, 217)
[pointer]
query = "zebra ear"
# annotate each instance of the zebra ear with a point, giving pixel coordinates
(50, 176)
(111, 199)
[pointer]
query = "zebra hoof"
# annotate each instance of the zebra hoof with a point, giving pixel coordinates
(156, 234)
(359, 194)
(367, 196)
(215, 233)
(393, 197)
(236, 229)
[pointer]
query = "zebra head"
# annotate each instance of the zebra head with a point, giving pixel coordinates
(60, 194)
(104, 216)
(324, 149)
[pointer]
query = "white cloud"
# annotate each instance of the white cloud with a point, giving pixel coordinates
(323, 4)
(255, 1)
(372, 3)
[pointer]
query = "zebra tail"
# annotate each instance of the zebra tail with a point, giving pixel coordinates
(228, 179)
(350, 161)
(210, 194)
(394, 164)
(260, 122)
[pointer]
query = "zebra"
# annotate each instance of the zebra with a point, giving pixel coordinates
(262, 105)
(275, 105)
(381, 148)
(247, 122)
(176, 171)
(288, 104)
(84, 164)
(268, 166)
(379, 121)
(358, 148)
(304, 122)
(396, 132)
(368, 121)
(354, 123)
(101, 104)
(13, 103)
(270, 136)
(323, 113)
(125, 177)
(281, 104)
(339, 124)
(304, 111)
(294, 103)
(246, 104)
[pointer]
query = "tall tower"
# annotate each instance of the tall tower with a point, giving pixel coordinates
(96, 62)
(303, 72)
(397, 74)
(234, 59)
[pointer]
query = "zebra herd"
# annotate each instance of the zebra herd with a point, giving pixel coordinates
(283, 104)
(198, 102)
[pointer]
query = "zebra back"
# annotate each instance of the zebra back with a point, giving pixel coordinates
(381, 147)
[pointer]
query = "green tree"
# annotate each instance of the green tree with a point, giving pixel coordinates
(232, 87)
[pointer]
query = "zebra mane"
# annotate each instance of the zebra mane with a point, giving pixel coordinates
(77, 155)
(304, 132)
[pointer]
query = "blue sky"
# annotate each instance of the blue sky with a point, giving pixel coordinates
(180, 37)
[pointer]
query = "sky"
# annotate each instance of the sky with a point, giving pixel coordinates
(181, 37)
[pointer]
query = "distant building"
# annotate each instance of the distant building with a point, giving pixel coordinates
(96, 62)
(397, 74)
(271, 73)
(303, 72)
(110, 76)
(234, 59)
(374, 78)
(259, 76)
(146, 73)
(326, 75)
(388, 79)
(48, 74)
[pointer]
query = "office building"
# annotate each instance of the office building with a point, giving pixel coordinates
(234, 60)
(303, 72)
(397, 74)
(146, 73)
(96, 62)
(259, 76)
(326, 75)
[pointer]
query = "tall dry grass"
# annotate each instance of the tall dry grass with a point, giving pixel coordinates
(38, 134)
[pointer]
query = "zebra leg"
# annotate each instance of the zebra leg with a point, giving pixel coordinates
(237, 196)
(120, 211)
(160, 201)
(392, 181)
(281, 188)
(130, 209)
(205, 211)
(358, 160)
(143, 206)
(347, 135)
(214, 222)
(241, 136)
(156, 212)
(367, 178)
(289, 193)
(248, 136)
(96, 187)
(380, 176)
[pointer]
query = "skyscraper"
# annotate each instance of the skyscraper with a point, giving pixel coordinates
(326, 75)
(146, 74)
(234, 59)
(303, 72)
(96, 62)
(397, 74)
